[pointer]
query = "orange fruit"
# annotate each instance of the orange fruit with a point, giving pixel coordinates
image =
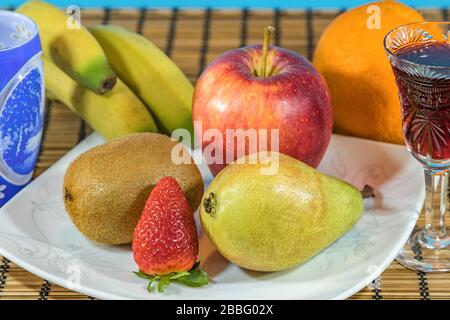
(350, 55)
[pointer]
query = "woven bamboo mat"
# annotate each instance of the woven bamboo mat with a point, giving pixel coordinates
(193, 38)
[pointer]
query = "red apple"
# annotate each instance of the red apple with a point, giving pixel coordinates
(262, 87)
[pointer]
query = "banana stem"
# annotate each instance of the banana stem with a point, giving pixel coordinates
(107, 84)
(267, 35)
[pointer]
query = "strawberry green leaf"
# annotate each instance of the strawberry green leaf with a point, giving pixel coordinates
(192, 278)
(150, 286)
(177, 275)
(196, 278)
(163, 283)
(142, 274)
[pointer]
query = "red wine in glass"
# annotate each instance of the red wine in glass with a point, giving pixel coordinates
(419, 54)
(425, 99)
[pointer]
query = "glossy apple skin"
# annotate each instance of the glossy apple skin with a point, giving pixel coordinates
(294, 99)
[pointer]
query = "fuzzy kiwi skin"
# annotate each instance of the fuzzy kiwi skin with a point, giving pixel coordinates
(105, 188)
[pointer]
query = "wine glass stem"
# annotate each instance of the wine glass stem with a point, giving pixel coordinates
(435, 234)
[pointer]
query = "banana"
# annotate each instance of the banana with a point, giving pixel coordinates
(151, 74)
(74, 50)
(114, 114)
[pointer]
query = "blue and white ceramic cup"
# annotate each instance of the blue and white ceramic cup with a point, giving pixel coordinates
(21, 101)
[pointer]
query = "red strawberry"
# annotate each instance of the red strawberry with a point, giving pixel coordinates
(165, 242)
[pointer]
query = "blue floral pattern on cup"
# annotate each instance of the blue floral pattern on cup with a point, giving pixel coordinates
(21, 124)
(21, 102)
(22, 32)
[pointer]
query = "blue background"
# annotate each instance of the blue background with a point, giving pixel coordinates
(227, 3)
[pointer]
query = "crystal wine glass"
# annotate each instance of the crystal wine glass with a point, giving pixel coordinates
(419, 54)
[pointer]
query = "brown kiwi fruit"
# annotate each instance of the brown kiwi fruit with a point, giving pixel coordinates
(105, 188)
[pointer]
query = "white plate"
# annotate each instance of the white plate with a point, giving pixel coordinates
(37, 234)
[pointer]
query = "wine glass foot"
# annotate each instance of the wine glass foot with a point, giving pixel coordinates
(417, 255)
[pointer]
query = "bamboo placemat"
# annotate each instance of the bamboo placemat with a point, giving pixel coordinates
(193, 38)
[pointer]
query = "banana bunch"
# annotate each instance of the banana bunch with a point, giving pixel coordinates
(155, 78)
(118, 81)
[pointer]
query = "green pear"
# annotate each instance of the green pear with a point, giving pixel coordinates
(272, 222)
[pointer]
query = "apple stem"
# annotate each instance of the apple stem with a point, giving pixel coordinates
(267, 35)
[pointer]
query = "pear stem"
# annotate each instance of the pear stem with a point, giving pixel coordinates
(267, 35)
(367, 192)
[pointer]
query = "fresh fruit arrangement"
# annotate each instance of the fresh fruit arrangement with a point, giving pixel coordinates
(106, 194)
(129, 190)
(132, 190)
